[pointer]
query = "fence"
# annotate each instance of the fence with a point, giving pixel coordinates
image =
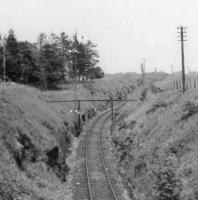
(191, 82)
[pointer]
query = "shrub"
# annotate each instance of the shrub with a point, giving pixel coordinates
(157, 105)
(143, 95)
(167, 185)
(189, 109)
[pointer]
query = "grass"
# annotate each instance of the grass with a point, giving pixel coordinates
(37, 137)
(158, 156)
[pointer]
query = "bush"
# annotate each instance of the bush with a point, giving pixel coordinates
(168, 186)
(143, 95)
(189, 109)
(157, 105)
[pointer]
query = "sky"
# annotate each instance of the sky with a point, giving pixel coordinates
(126, 31)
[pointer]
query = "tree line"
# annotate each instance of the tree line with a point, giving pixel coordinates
(51, 60)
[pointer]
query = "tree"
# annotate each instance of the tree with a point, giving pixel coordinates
(1, 57)
(50, 60)
(98, 73)
(27, 61)
(92, 57)
(41, 62)
(13, 62)
(85, 57)
(53, 57)
(63, 44)
(54, 67)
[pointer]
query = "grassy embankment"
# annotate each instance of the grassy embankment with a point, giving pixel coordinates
(156, 142)
(36, 137)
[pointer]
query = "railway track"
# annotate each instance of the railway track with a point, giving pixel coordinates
(94, 179)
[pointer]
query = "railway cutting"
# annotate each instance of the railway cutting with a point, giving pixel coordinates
(94, 178)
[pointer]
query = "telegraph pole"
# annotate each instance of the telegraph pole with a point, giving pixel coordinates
(182, 40)
(4, 59)
(144, 67)
(143, 71)
(112, 111)
(76, 102)
(79, 120)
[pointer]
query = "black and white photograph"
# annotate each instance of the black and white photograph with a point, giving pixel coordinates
(98, 100)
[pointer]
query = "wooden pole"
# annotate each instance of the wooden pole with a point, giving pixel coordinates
(4, 59)
(79, 121)
(112, 111)
(190, 82)
(181, 28)
(194, 82)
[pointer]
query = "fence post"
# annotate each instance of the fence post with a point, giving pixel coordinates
(187, 83)
(180, 84)
(190, 82)
(197, 82)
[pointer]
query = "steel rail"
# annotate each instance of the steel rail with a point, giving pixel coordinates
(86, 161)
(87, 174)
(104, 167)
(101, 157)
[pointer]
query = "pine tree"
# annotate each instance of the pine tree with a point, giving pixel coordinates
(13, 63)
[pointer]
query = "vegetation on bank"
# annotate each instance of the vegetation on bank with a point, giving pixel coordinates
(156, 143)
(51, 60)
(37, 138)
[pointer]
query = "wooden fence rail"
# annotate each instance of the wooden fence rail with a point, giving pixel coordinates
(175, 85)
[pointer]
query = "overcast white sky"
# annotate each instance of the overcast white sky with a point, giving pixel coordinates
(126, 31)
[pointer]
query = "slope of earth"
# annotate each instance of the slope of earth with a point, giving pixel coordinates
(37, 137)
(32, 164)
(156, 143)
